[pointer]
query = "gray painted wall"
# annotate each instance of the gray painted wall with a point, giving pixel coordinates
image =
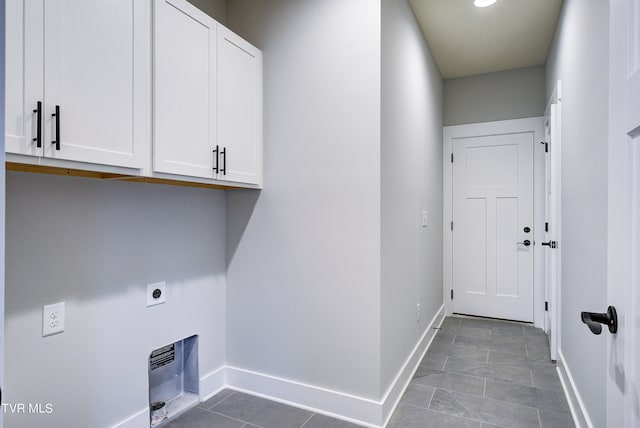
(411, 172)
(304, 253)
(504, 95)
(95, 245)
(579, 57)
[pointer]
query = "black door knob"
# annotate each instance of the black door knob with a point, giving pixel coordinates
(594, 320)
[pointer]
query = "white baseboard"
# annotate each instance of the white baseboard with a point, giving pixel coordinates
(328, 402)
(395, 391)
(337, 404)
(347, 407)
(138, 420)
(578, 410)
(212, 383)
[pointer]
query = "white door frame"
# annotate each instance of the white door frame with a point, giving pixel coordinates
(623, 249)
(532, 124)
(554, 115)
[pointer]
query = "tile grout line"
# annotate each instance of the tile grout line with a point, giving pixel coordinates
(539, 418)
(220, 401)
(531, 374)
(431, 399)
(230, 417)
(308, 419)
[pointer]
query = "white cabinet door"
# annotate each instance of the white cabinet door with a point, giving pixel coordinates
(184, 89)
(239, 109)
(96, 70)
(24, 71)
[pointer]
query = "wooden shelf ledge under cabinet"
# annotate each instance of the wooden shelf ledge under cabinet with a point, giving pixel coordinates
(69, 172)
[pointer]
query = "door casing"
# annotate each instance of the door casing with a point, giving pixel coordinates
(535, 125)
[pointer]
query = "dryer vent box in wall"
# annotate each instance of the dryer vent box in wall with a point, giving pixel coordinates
(173, 380)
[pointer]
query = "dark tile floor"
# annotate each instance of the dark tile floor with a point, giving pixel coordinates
(477, 373)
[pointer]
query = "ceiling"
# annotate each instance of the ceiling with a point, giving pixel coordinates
(466, 40)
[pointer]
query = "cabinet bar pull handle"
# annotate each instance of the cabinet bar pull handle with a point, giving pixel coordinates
(224, 161)
(38, 138)
(215, 167)
(57, 116)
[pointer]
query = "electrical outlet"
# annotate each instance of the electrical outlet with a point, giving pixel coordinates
(425, 218)
(156, 293)
(52, 319)
(418, 310)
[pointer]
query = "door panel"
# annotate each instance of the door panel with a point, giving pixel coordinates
(476, 246)
(240, 107)
(492, 203)
(506, 258)
(95, 71)
(185, 70)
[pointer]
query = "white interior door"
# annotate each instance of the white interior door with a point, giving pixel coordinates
(548, 276)
(492, 211)
(552, 221)
(623, 262)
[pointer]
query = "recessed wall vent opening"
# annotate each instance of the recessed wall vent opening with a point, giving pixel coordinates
(173, 380)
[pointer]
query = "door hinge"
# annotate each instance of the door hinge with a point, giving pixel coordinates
(451, 157)
(451, 294)
(452, 226)
(546, 306)
(546, 226)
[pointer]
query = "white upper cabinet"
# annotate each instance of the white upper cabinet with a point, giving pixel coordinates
(184, 89)
(92, 81)
(239, 109)
(87, 60)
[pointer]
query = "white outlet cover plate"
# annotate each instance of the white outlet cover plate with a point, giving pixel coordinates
(425, 218)
(53, 319)
(152, 301)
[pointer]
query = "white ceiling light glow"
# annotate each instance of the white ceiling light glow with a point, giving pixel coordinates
(483, 3)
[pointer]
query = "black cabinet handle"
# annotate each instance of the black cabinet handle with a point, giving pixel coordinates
(57, 116)
(216, 152)
(550, 244)
(594, 320)
(38, 112)
(224, 161)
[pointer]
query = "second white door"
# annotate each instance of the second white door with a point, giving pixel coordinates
(493, 226)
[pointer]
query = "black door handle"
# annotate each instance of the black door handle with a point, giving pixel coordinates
(57, 116)
(38, 112)
(526, 243)
(217, 153)
(595, 320)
